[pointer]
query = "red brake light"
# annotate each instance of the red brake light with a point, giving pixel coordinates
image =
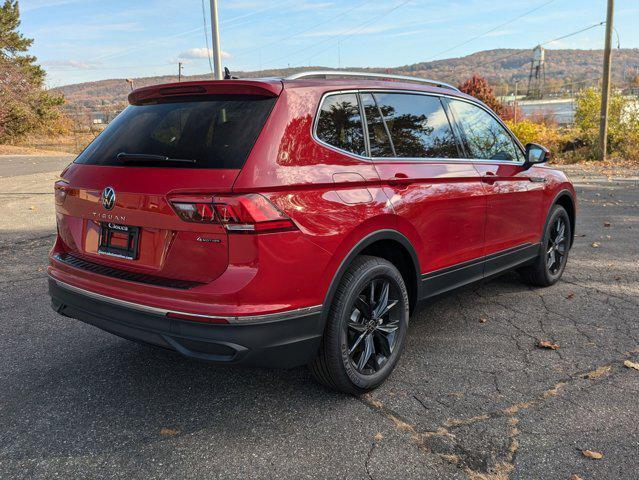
(61, 190)
(195, 212)
(251, 213)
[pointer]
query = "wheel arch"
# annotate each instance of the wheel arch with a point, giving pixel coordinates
(388, 244)
(566, 199)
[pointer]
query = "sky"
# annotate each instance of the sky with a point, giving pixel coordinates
(87, 40)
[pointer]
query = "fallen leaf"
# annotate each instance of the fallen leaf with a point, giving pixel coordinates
(596, 245)
(482, 320)
(169, 432)
(606, 224)
(630, 364)
(547, 345)
(378, 436)
(592, 454)
(575, 477)
(598, 372)
(570, 296)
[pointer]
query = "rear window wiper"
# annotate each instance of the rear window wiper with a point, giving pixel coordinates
(147, 157)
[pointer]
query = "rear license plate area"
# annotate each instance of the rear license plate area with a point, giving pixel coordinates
(119, 240)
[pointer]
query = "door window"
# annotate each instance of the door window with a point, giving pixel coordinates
(378, 136)
(485, 137)
(340, 123)
(418, 126)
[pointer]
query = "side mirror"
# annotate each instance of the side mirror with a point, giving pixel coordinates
(536, 154)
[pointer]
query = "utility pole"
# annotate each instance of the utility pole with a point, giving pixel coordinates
(605, 86)
(180, 66)
(515, 101)
(217, 52)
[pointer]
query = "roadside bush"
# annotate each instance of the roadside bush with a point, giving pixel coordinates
(623, 123)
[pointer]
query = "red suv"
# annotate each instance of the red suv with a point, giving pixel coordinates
(299, 221)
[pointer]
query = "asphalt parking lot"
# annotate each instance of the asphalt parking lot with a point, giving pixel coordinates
(473, 396)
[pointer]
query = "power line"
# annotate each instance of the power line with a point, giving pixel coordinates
(151, 43)
(573, 33)
(340, 35)
(519, 52)
(206, 37)
(299, 32)
(466, 42)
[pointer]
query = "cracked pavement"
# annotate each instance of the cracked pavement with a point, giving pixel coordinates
(472, 397)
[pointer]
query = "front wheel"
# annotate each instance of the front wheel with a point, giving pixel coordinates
(366, 327)
(551, 262)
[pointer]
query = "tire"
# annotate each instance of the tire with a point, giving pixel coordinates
(364, 337)
(544, 273)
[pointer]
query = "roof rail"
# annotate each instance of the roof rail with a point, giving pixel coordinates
(344, 73)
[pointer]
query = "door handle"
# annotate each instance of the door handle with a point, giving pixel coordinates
(489, 177)
(399, 179)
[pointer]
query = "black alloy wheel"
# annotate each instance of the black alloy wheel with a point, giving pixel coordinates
(549, 266)
(373, 325)
(365, 329)
(557, 246)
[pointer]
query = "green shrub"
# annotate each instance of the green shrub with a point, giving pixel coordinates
(623, 123)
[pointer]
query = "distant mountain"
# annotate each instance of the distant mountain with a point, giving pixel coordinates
(502, 68)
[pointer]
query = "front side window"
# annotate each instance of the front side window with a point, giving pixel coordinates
(340, 123)
(418, 126)
(486, 138)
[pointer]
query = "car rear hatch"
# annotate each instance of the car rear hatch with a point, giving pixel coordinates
(139, 202)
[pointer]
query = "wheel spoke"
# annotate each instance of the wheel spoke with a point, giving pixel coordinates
(561, 228)
(372, 295)
(364, 307)
(357, 342)
(383, 300)
(369, 349)
(388, 327)
(386, 338)
(358, 327)
(551, 260)
(388, 308)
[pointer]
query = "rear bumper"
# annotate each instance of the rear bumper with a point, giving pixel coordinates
(281, 341)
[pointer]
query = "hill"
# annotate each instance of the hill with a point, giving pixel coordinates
(502, 68)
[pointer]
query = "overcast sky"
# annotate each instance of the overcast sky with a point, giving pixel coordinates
(85, 40)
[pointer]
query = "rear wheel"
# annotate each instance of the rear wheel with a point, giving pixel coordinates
(551, 262)
(366, 327)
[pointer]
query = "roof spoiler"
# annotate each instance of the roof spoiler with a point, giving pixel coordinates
(269, 88)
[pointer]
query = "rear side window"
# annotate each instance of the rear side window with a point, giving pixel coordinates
(486, 138)
(340, 124)
(216, 132)
(418, 126)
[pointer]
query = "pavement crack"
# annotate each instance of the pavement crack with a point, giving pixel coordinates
(368, 459)
(497, 460)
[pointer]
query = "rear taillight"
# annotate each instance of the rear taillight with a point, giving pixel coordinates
(61, 190)
(251, 213)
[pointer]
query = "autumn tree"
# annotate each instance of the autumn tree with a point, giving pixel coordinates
(478, 87)
(25, 106)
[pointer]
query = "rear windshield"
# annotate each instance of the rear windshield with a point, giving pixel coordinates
(218, 132)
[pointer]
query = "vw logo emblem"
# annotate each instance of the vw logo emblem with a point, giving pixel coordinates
(108, 198)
